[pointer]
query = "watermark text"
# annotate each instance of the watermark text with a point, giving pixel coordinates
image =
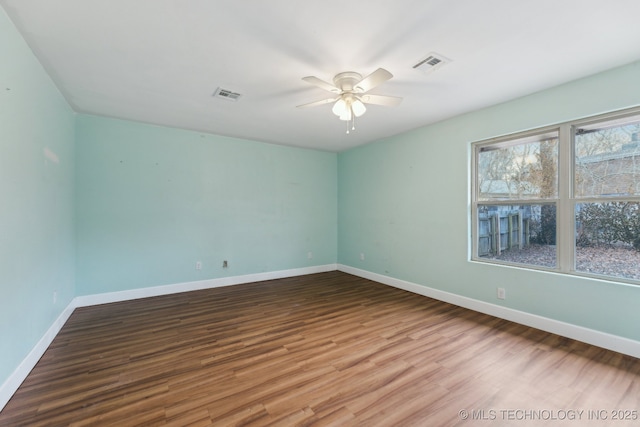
(516, 414)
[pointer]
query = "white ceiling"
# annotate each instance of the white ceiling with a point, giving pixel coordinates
(159, 61)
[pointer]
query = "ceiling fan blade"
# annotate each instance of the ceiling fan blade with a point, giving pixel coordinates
(389, 101)
(321, 84)
(315, 103)
(372, 80)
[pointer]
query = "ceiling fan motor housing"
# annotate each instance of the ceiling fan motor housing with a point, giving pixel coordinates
(347, 81)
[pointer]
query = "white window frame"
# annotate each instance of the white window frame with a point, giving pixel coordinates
(565, 202)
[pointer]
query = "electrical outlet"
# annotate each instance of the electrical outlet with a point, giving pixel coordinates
(502, 293)
(198, 265)
(310, 255)
(225, 264)
(361, 256)
(55, 297)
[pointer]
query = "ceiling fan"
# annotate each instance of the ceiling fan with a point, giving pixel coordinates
(350, 94)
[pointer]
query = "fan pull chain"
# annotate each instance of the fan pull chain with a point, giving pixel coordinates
(353, 121)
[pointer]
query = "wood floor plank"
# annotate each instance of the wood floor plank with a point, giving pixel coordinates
(319, 350)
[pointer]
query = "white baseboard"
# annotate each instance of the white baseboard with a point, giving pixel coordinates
(105, 298)
(12, 383)
(589, 336)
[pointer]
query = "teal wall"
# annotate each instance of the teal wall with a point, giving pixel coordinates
(36, 200)
(404, 202)
(151, 201)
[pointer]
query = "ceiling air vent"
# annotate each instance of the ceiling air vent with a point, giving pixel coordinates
(432, 62)
(226, 94)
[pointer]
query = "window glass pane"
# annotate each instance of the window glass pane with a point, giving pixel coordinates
(522, 234)
(524, 169)
(608, 239)
(607, 159)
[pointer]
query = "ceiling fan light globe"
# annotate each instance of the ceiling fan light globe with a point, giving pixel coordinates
(358, 108)
(346, 116)
(340, 107)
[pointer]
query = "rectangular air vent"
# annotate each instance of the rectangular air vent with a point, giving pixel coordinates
(432, 62)
(226, 94)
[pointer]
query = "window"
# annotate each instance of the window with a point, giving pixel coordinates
(607, 195)
(517, 197)
(564, 199)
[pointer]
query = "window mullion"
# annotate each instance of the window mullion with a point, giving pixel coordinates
(565, 218)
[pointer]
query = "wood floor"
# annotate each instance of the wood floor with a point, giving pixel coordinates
(324, 349)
